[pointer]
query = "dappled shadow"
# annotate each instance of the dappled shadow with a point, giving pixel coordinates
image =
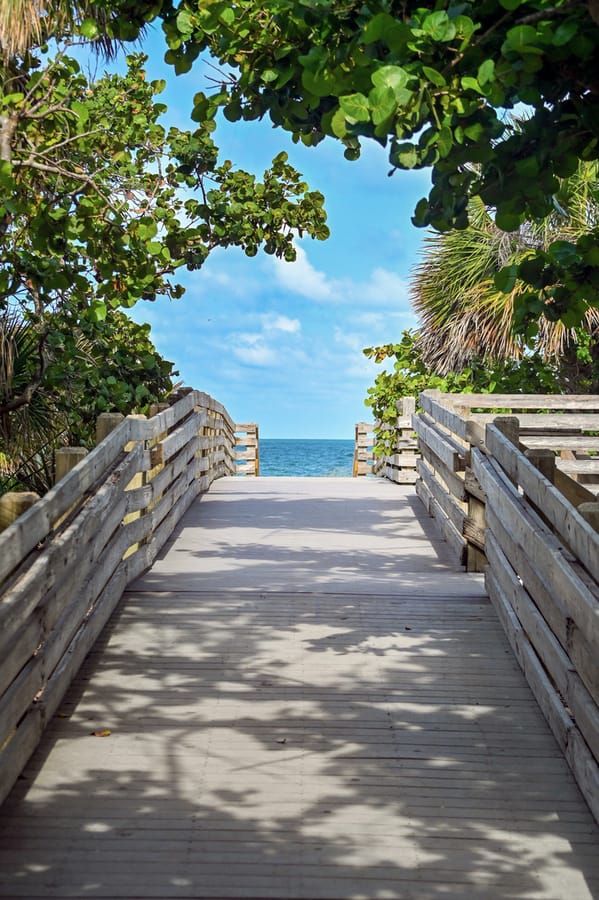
(362, 537)
(298, 747)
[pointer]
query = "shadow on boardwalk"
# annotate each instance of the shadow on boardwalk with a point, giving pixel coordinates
(333, 759)
(299, 744)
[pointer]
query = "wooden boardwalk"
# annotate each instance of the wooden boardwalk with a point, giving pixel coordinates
(304, 700)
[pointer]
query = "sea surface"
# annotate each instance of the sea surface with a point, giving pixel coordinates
(330, 458)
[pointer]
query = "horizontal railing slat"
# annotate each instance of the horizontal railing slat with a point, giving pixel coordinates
(582, 539)
(61, 560)
(587, 402)
(578, 596)
(28, 530)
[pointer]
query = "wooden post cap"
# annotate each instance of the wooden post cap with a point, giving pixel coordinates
(590, 512)
(14, 504)
(510, 427)
(65, 459)
(105, 423)
(543, 460)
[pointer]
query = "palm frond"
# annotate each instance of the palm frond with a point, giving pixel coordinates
(28, 23)
(462, 314)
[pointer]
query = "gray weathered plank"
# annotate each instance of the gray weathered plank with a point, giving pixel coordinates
(580, 537)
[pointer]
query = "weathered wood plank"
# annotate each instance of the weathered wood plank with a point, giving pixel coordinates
(18, 697)
(442, 445)
(453, 480)
(579, 466)
(398, 476)
(14, 755)
(63, 562)
(558, 442)
(450, 506)
(581, 761)
(559, 666)
(143, 558)
(185, 434)
(32, 527)
(530, 423)
(148, 494)
(403, 460)
(574, 492)
(538, 583)
(22, 648)
(553, 709)
(586, 402)
(83, 641)
(168, 419)
(451, 420)
(38, 669)
(582, 539)
(585, 769)
(577, 594)
(451, 535)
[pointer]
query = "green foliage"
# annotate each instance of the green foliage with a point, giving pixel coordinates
(100, 206)
(470, 300)
(433, 85)
(410, 375)
(112, 365)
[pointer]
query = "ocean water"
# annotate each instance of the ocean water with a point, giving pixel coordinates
(330, 458)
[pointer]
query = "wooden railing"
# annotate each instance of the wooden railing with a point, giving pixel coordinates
(363, 450)
(500, 489)
(401, 462)
(65, 562)
(246, 453)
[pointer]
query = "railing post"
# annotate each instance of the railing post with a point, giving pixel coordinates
(251, 455)
(543, 460)
(590, 512)
(257, 466)
(156, 408)
(105, 423)
(509, 426)
(475, 521)
(363, 451)
(14, 504)
(65, 459)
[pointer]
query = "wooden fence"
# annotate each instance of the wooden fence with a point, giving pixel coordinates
(65, 562)
(246, 453)
(501, 490)
(400, 463)
(363, 450)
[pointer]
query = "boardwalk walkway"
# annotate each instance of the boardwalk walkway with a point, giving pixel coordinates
(304, 700)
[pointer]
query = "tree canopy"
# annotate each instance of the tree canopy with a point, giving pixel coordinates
(411, 373)
(101, 205)
(434, 84)
(462, 314)
(94, 366)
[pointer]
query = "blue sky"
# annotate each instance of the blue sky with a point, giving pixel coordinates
(281, 343)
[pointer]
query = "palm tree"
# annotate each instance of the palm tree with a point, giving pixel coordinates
(30, 424)
(463, 316)
(28, 23)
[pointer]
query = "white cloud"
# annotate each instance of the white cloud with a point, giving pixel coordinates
(272, 322)
(251, 349)
(382, 288)
(386, 287)
(348, 340)
(258, 355)
(300, 277)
